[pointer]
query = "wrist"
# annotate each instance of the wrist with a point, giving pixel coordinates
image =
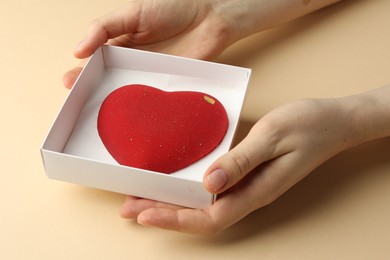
(246, 17)
(368, 115)
(239, 15)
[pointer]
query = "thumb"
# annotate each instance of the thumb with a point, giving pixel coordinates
(230, 168)
(109, 26)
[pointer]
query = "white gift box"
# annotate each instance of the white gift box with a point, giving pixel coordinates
(73, 151)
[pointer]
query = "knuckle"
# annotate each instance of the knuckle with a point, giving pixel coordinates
(240, 163)
(211, 231)
(95, 23)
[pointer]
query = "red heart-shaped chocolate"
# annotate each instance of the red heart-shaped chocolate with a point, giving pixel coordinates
(151, 129)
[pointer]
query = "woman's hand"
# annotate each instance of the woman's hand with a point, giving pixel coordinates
(184, 28)
(282, 148)
(200, 29)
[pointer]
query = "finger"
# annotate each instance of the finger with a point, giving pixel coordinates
(134, 205)
(258, 190)
(183, 220)
(261, 144)
(114, 24)
(71, 76)
(226, 211)
(231, 207)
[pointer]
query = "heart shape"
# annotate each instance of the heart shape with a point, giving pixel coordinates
(147, 128)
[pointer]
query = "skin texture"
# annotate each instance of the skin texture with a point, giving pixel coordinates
(282, 147)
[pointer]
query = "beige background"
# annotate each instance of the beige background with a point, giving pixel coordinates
(341, 211)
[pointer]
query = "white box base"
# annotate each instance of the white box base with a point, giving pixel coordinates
(73, 151)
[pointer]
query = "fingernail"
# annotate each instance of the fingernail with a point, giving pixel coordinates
(217, 179)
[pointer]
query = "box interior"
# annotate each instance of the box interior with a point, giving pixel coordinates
(74, 135)
(84, 140)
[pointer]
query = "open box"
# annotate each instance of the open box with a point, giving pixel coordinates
(73, 151)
